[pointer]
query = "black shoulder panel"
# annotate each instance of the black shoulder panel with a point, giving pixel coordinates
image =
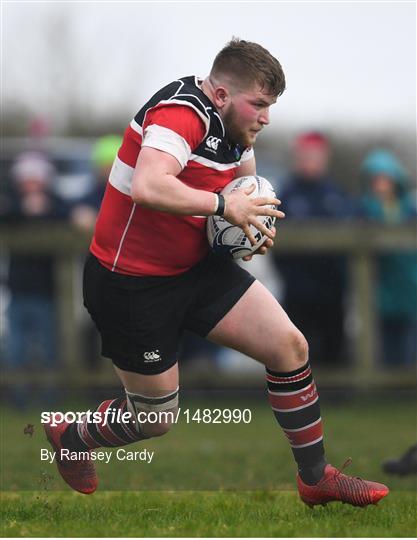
(215, 145)
(183, 90)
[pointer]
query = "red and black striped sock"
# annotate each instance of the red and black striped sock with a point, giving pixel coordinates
(108, 432)
(295, 402)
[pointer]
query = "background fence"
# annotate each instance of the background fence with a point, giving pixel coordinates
(358, 241)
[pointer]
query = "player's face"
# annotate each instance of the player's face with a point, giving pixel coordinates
(247, 114)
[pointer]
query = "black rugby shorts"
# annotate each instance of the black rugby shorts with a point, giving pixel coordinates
(141, 319)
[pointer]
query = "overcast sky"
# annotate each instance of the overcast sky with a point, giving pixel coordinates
(346, 64)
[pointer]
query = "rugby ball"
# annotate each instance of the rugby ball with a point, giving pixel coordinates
(230, 240)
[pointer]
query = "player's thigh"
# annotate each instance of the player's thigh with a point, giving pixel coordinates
(149, 385)
(258, 326)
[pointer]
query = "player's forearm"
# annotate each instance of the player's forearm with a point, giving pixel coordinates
(168, 194)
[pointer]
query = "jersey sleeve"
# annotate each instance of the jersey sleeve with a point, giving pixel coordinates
(175, 129)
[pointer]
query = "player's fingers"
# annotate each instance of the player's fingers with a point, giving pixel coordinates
(268, 242)
(246, 229)
(263, 201)
(261, 227)
(266, 211)
(248, 258)
(261, 251)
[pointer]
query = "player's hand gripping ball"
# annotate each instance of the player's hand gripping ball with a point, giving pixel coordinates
(230, 240)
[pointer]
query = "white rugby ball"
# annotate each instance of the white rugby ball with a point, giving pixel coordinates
(230, 240)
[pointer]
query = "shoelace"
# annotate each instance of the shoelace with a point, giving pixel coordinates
(344, 466)
(358, 491)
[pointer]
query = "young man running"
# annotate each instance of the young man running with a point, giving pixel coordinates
(150, 273)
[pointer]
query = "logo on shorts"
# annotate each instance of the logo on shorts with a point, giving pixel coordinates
(212, 144)
(152, 356)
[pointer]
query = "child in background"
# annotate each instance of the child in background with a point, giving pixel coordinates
(389, 201)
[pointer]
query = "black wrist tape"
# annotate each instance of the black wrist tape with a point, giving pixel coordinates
(221, 207)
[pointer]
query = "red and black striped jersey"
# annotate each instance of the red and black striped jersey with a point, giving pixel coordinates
(182, 121)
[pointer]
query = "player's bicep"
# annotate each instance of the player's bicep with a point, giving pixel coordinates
(153, 159)
(152, 166)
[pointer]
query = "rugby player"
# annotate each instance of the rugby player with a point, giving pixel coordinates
(150, 273)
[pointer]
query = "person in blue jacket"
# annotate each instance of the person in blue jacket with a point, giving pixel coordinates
(388, 200)
(315, 284)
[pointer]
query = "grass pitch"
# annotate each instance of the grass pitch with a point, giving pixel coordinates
(195, 514)
(213, 480)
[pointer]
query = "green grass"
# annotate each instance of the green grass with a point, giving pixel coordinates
(213, 480)
(273, 514)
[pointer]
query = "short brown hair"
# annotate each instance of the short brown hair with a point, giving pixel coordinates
(250, 63)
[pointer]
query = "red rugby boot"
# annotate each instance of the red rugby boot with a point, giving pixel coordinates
(336, 486)
(81, 474)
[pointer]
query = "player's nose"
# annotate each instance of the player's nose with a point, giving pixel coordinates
(264, 117)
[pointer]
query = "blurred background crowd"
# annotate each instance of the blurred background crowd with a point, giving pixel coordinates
(61, 181)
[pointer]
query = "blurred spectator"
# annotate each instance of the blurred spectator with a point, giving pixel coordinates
(83, 216)
(31, 312)
(104, 151)
(388, 201)
(315, 285)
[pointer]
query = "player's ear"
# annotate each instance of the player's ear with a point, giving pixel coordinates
(221, 96)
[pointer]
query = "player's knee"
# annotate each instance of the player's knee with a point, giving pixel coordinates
(290, 353)
(299, 347)
(153, 416)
